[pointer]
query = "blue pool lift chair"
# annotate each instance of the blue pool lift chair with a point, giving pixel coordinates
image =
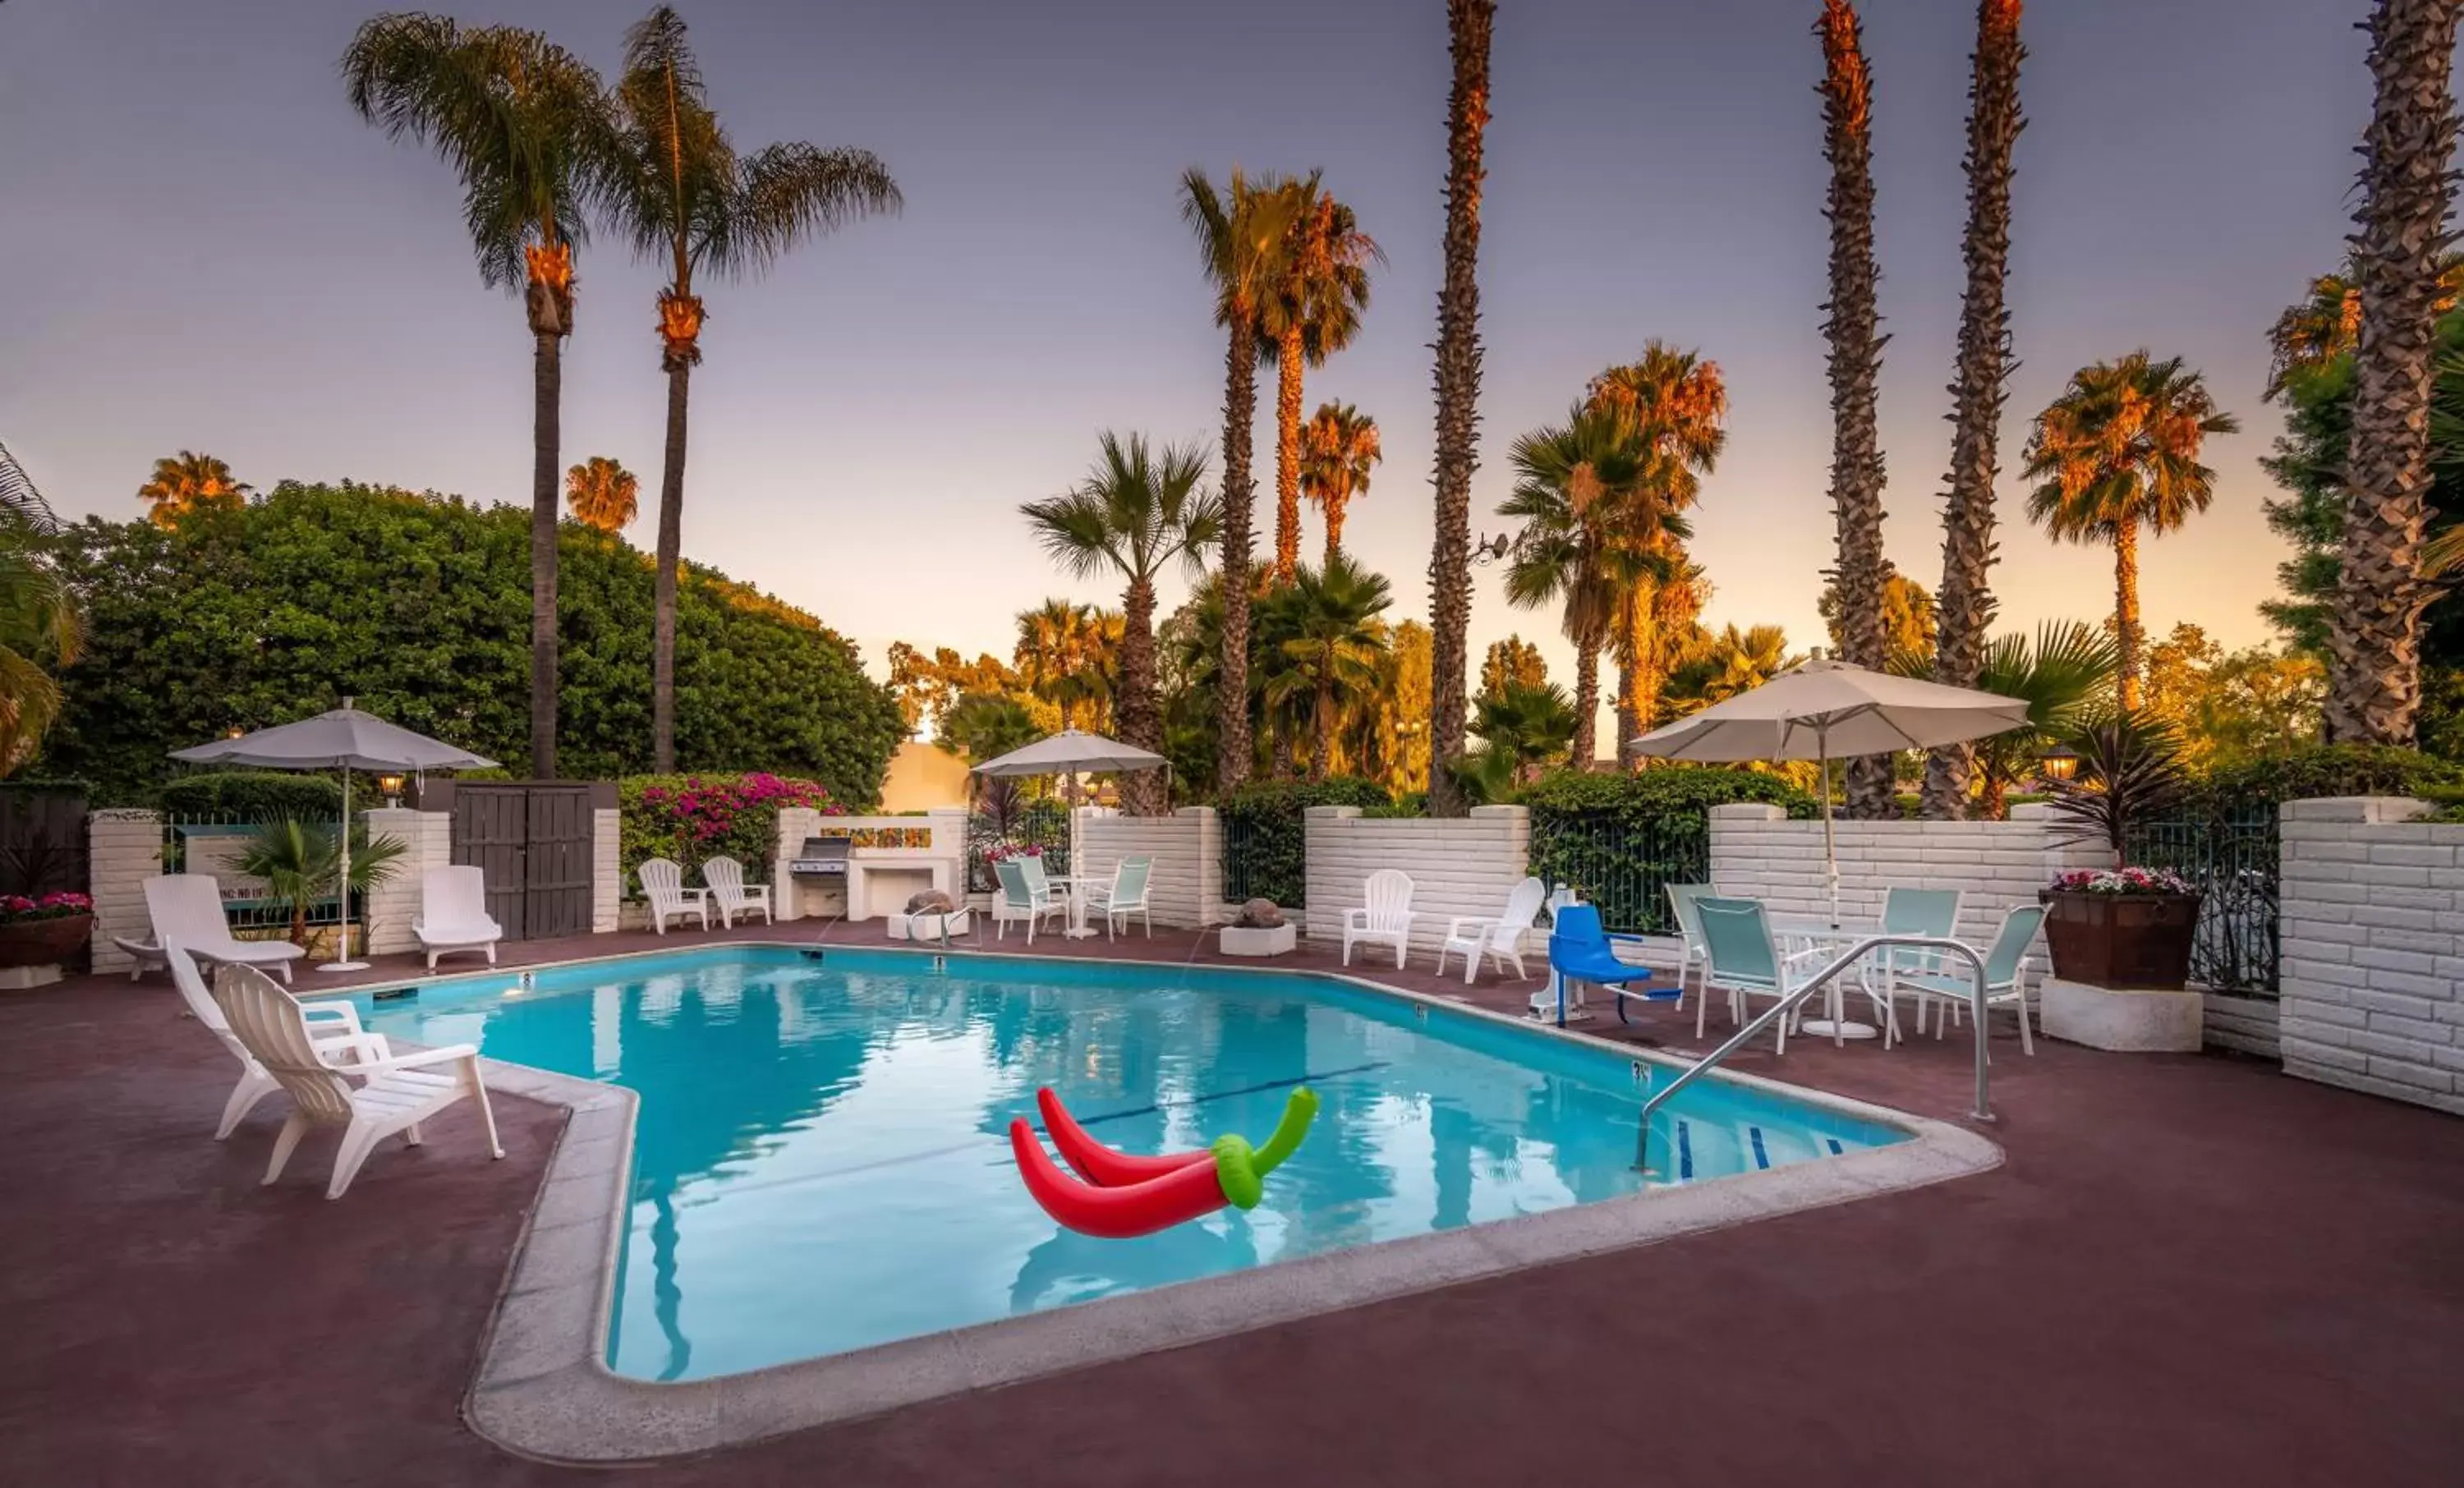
(1580, 951)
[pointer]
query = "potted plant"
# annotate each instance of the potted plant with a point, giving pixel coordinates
(42, 932)
(2123, 928)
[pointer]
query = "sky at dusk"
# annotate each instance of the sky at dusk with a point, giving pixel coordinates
(205, 248)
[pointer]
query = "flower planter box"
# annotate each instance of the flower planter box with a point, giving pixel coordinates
(2126, 942)
(31, 950)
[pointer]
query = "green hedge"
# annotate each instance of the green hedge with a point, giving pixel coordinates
(257, 795)
(1621, 839)
(2323, 770)
(1265, 833)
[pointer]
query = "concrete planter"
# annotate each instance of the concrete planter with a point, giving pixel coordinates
(928, 926)
(2122, 941)
(2128, 1021)
(1242, 941)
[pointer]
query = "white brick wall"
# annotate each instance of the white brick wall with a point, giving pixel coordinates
(606, 870)
(1187, 886)
(1757, 853)
(1464, 866)
(125, 849)
(2374, 948)
(428, 842)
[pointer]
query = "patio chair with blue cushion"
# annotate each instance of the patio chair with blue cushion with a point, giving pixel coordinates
(1743, 957)
(2005, 967)
(1580, 951)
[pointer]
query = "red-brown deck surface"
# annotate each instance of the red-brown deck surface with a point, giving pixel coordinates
(2191, 1270)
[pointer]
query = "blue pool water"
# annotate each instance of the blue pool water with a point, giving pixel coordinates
(821, 1163)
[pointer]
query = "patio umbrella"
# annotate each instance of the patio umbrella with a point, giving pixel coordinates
(1825, 708)
(345, 739)
(1071, 752)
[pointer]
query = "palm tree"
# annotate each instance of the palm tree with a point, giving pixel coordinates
(1311, 311)
(187, 483)
(1330, 646)
(1468, 25)
(603, 493)
(42, 629)
(1242, 234)
(1965, 603)
(682, 196)
(1531, 726)
(1136, 513)
(1590, 514)
(1853, 327)
(1338, 447)
(2374, 678)
(1063, 655)
(2119, 451)
(523, 122)
(1714, 668)
(2328, 322)
(1678, 403)
(2065, 674)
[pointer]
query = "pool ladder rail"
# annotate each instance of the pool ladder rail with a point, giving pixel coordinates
(1795, 999)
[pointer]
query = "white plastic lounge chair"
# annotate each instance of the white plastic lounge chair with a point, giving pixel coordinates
(1498, 937)
(2005, 967)
(1021, 898)
(1385, 917)
(333, 1027)
(144, 956)
(454, 913)
(733, 896)
(187, 910)
(663, 885)
(1125, 896)
(398, 1093)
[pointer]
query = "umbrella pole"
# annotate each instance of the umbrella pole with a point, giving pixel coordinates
(342, 961)
(1830, 845)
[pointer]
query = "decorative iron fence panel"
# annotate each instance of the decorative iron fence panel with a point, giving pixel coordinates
(2233, 861)
(1042, 827)
(213, 845)
(1266, 856)
(1622, 865)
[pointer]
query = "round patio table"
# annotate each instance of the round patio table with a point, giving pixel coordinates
(1802, 932)
(1068, 885)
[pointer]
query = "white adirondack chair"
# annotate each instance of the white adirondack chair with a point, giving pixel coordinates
(1500, 937)
(1125, 896)
(1384, 918)
(454, 913)
(396, 1094)
(188, 908)
(333, 1027)
(663, 885)
(733, 896)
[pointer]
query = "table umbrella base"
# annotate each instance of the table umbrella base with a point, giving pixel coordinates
(1822, 1027)
(342, 966)
(1079, 932)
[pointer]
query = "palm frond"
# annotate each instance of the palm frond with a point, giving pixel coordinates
(21, 505)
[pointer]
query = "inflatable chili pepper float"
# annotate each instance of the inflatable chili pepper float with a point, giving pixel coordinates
(1124, 1195)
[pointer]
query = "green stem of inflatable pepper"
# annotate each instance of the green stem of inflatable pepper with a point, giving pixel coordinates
(1240, 1171)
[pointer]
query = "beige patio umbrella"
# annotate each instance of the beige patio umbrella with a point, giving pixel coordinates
(1074, 752)
(1823, 708)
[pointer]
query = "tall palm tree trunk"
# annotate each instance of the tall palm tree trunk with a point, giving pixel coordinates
(547, 385)
(663, 614)
(1288, 455)
(1469, 23)
(1965, 606)
(2374, 691)
(1233, 748)
(1587, 704)
(1322, 747)
(2127, 635)
(1336, 501)
(1853, 327)
(1140, 716)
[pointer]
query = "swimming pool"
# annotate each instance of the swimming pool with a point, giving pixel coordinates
(820, 1165)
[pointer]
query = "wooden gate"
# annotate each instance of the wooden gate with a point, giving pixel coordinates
(42, 839)
(533, 841)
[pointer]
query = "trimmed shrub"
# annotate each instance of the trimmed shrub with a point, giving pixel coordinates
(1620, 839)
(2323, 770)
(255, 795)
(1265, 833)
(688, 819)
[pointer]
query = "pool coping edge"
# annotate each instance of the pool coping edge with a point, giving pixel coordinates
(542, 1387)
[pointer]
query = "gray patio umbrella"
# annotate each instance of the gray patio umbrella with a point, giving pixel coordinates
(1826, 707)
(1071, 752)
(345, 739)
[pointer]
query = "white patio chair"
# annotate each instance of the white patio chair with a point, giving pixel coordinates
(397, 1094)
(186, 908)
(1692, 955)
(1125, 896)
(454, 913)
(1385, 917)
(725, 877)
(1743, 958)
(1021, 898)
(333, 1027)
(2006, 977)
(1498, 937)
(663, 885)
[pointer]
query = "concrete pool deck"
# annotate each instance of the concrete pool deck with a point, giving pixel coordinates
(2187, 1265)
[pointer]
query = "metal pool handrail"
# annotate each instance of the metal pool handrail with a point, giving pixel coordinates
(1855, 953)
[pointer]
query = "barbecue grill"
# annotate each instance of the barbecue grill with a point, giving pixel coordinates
(822, 857)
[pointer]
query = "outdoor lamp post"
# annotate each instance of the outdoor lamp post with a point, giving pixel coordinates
(2059, 763)
(392, 785)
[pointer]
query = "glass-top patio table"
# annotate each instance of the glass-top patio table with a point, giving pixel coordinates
(1815, 935)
